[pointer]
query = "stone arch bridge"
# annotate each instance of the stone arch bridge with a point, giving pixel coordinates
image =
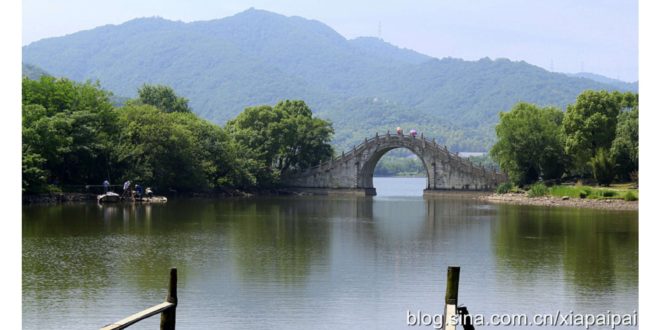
(353, 172)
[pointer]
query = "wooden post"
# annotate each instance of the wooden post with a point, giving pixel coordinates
(451, 297)
(168, 317)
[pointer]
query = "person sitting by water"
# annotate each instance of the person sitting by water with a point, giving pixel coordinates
(106, 186)
(138, 190)
(149, 192)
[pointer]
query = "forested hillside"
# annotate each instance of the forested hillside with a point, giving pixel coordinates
(257, 57)
(33, 72)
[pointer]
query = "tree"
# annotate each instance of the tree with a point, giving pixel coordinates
(530, 144)
(34, 174)
(71, 136)
(179, 151)
(157, 149)
(590, 124)
(68, 131)
(625, 147)
(163, 98)
(307, 139)
(222, 161)
(602, 167)
(282, 138)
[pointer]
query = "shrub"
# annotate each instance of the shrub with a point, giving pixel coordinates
(537, 190)
(584, 194)
(504, 188)
(630, 196)
(609, 193)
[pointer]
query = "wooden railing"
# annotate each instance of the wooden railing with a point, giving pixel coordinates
(166, 309)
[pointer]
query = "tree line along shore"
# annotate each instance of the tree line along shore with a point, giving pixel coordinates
(74, 136)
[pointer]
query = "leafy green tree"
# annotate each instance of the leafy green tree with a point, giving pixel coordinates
(602, 167)
(179, 151)
(307, 139)
(530, 144)
(625, 147)
(163, 98)
(72, 135)
(590, 124)
(627, 100)
(34, 174)
(282, 138)
(157, 149)
(68, 127)
(223, 162)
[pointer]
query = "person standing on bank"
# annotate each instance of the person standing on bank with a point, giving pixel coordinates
(138, 191)
(127, 187)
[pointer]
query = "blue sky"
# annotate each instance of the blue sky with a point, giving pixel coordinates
(599, 36)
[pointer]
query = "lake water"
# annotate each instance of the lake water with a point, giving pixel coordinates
(322, 262)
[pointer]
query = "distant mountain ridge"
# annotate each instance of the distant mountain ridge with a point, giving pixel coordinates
(606, 80)
(258, 57)
(33, 72)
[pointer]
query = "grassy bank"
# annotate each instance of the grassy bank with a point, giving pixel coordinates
(617, 191)
(620, 191)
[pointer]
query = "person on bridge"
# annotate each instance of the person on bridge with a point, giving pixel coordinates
(106, 186)
(399, 131)
(413, 133)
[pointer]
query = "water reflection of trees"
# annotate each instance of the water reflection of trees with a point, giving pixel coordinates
(280, 240)
(595, 249)
(90, 247)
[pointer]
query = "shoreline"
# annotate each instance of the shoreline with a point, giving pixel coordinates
(508, 198)
(73, 197)
(550, 201)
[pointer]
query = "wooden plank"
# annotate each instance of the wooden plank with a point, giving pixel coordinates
(121, 324)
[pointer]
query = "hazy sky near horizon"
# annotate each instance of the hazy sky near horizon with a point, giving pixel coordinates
(599, 36)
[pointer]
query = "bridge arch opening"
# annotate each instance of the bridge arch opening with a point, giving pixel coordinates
(395, 162)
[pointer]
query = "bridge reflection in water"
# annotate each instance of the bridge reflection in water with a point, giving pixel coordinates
(353, 172)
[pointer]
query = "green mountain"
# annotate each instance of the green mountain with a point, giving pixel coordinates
(614, 82)
(33, 72)
(258, 57)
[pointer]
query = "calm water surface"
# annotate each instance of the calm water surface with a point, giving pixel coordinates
(322, 262)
